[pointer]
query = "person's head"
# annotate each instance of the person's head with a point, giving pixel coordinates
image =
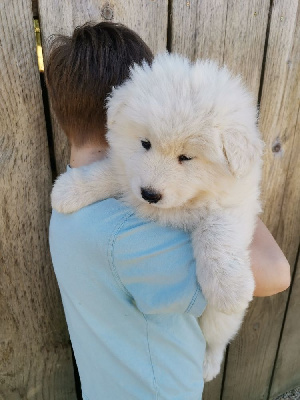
(81, 71)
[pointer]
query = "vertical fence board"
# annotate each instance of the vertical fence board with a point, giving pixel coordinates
(147, 18)
(198, 28)
(253, 353)
(230, 32)
(287, 372)
(35, 358)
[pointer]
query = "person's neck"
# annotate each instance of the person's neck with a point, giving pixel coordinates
(87, 154)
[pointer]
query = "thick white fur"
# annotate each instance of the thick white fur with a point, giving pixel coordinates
(201, 111)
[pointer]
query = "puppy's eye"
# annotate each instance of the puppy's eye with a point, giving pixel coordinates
(183, 157)
(146, 144)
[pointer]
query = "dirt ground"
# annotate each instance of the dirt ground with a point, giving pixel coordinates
(292, 395)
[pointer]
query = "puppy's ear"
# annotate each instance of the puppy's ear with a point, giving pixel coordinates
(241, 150)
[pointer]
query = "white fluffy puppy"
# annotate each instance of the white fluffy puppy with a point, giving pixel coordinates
(185, 151)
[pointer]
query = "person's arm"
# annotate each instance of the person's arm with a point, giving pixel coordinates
(270, 268)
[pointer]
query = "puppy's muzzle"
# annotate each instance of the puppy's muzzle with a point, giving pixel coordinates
(150, 195)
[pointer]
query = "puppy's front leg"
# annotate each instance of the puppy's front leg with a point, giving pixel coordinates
(218, 329)
(82, 186)
(223, 264)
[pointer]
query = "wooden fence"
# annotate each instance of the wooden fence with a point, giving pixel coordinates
(257, 38)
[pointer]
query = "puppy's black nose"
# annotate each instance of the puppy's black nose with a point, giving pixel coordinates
(150, 195)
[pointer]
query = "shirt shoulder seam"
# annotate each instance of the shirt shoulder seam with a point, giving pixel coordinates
(110, 253)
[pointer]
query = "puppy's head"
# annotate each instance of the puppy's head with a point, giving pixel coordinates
(182, 131)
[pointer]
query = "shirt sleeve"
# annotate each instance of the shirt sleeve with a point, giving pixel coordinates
(155, 266)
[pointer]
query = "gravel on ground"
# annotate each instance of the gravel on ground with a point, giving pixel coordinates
(291, 395)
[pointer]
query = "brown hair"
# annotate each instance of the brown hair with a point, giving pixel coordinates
(82, 69)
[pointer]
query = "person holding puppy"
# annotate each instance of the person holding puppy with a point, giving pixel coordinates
(128, 286)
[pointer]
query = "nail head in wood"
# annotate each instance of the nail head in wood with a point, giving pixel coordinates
(107, 13)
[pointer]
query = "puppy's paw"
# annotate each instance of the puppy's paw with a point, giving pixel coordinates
(212, 364)
(66, 194)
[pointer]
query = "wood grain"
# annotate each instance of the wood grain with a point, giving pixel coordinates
(148, 18)
(231, 32)
(287, 371)
(252, 356)
(35, 357)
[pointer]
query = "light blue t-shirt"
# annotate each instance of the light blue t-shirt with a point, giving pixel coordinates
(131, 299)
